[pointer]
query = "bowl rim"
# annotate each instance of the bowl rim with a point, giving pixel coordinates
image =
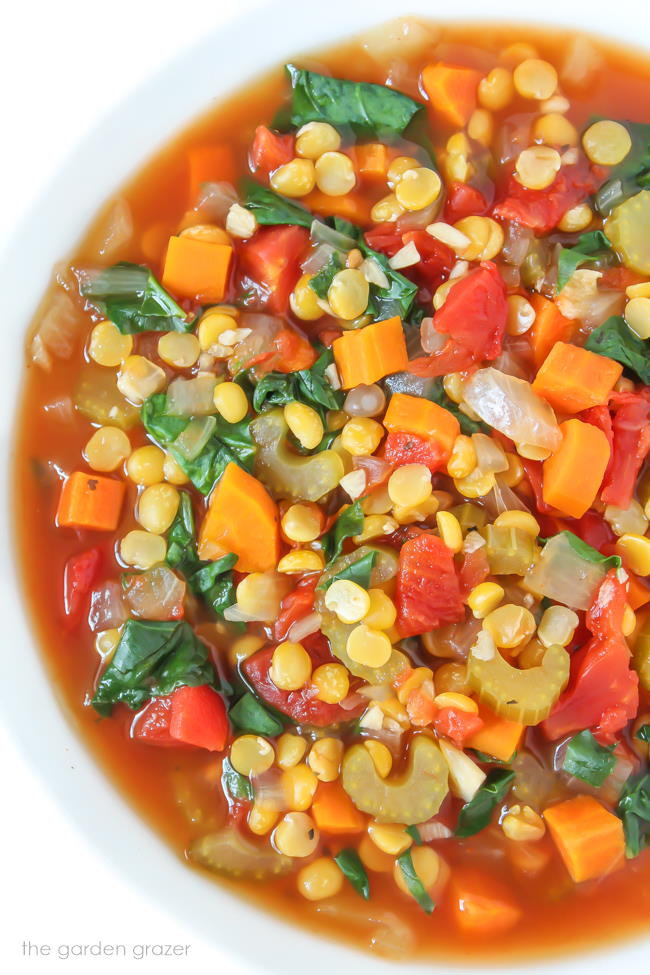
(52, 747)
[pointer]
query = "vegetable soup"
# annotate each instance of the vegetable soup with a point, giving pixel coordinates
(332, 492)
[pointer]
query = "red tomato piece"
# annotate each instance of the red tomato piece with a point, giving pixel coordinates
(384, 238)
(292, 352)
(293, 607)
(301, 706)
(603, 692)
(436, 261)
(474, 317)
(151, 725)
(271, 259)
(428, 591)
(541, 210)
(199, 717)
(407, 448)
(270, 150)
(463, 201)
(78, 576)
(474, 569)
(631, 443)
(456, 725)
(599, 416)
(594, 530)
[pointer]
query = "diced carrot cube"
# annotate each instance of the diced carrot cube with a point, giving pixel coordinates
(372, 160)
(573, 474)
(422, 418)
(90, 501)
(550, 326)
(589, 837)
(497, 737)
(482, 906)
(352, 206)
(334, 811)
(572, 379)
(197, 269)
(366, 355)
(452, 92)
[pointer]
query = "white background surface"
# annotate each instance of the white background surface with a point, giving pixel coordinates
(62, 62)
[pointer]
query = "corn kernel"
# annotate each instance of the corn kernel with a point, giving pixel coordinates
(418, 188)
(302, 522)
(462, 459)
(305, 424)
(382, 613)
(484, 598)
(240, 223)
(230, 400)
(361, 436)
(557, 626)
(637, 316)
(301, 560)
(606, 143)
(335, 174)
(515, 473)
(140, 378)
(145, 465)
(450, 531)
(332, 683)
(534, 78)
(180, 350)
(304, 300)
(142, 550)
(251, 755)
(480, 127)
(299, 785)
(320, 879)
(348, 293)
(641, 290)
(522, 520)
(537, 167)
(509, 625)
(107, 448)
(290, 750)
(427, 865)
(391, 838)
(496, 90)
(324, 758)
(522, 823)
(348, 600)
(157, 507)
(290, 666)
(294, 179)
(461, 702)
(635, 552)
(262, 817)
(296, 835)
(107, 345)
(315, 138)
(369, 647)
(173, 472)
(106, 642)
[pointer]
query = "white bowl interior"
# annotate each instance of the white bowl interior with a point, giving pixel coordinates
(145, 120)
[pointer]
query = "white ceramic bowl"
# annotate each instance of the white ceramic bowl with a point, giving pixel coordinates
(146, 119)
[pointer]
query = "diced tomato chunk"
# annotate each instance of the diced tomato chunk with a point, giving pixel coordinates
(463, 201)
(406, 448)
(293, 607)
(271, 259)
(270, 150)
(541, 210)
(199, 717)
(151, 725)
(456, 725)
(631, 443)
(78, 577)
(428, 591)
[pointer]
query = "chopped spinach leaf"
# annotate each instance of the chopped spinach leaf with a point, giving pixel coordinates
(131, 297)
(615, 339)
(414, 833)
(477, 813)
(309, 386)
(590, 247)
(181, 545)
(228, 443)
(248, 714)
(437, 395)
(358, 572)
(588, 760)
(352, 868)
(631, 175)
(346, 525)
(214, 583)
(153, 658)
(643, 734)
(634, 809)
(414, 884)
(486, 759)
(588, 553)
(272, 209)
(236, 785)
(321, 282)
(367, 108)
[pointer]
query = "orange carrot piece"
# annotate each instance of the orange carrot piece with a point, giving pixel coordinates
(372, 161)
(497, 737)
(352, 206)
(571, 477)
(572, 379)
(197, 268)
(452, 92)
(422, 418)
(638, 593)
(366, 355)
(241, 518)
(481, 905)
(90, 501)
(550, 326)
(589, 837)
(209, 164)
(334, 811)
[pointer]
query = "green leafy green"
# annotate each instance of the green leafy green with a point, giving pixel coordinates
(309, 386)
(352, 868)
(615, 339)
(486, 759)
(272, 209)
(152, 658)
(588, 760)
(214, 583)
(477, 813)
(320, 283)
(358, 572)
(181, 544)
(643, 734)
(236, 785)
(229, 442)
(248, 714)
(368, 109)
(414, 884)
(437, 395)
(130, 296)
(634, 809)
(346, 525)
(588, 553)
(589, 248)
(631, 175)
(414, 833)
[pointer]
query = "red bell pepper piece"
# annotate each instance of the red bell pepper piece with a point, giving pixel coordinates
(541, 210)
(456, 725)
(603, 692)
(474, 317)
(189, 716)
(428, 591)
(271, 259)
(79, 574)
(294, 606)
(631, 443)
(270, 150)
(463, 201)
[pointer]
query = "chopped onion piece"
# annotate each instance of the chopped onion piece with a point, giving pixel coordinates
(365, 400)
(304, 627)
(320, 233)
(157, 594)
(563, 575)
(503, 498)
(510, 406)
(233, 614)
(446, 234)
(579, 295)
(490, 456)
(465, 776)
(318, 258)
(332, 376)
(192, 397)
(57, 326)
(406, 256)
(434, 830)
(374, 273)
(406, 382)
(404, 37)
(354, 483)
(215, 200)
(107, 610)
(430, 338)
(191, 441)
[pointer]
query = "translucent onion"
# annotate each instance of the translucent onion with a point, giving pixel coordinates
(111, 233)
(385, 932)
(510, 406)
(432, 340)
(215, 200)
(318, 258)
(191, 441)
(304, 627)
(434, 830)
(268, 789)
(57, 326)
(406, 382)
(351, 702)
(579, 296)
(320, 233)
(107, 610)
(376, 470)
(563, 575)
(263, 329)
(516, 243)
(191, 397)
(419, 219)
(502, 498)
(233, 614)
(490, 456)
(365, 400)
(157, 594)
